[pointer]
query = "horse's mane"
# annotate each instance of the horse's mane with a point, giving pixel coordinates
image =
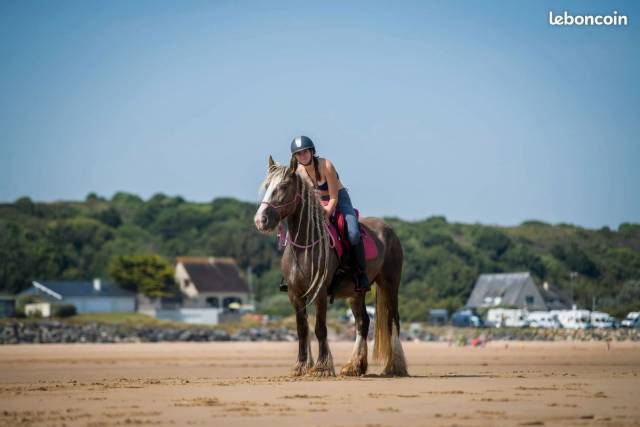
(315, 228)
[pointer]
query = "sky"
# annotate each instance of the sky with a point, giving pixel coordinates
(477, 111)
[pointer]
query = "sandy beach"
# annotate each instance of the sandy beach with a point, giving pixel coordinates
(240, 383)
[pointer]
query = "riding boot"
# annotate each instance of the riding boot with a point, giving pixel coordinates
(283, 286)
(362, 281)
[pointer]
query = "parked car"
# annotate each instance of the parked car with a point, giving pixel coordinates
(507, 317)
(466, 319)
(602, 320)
(632, 320)
(543, 319)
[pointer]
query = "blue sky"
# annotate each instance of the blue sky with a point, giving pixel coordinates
(478, 111)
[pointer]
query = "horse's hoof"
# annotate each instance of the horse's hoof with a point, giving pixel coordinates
(300, 370)
(391, 372)
(321, 372)
(353, 369)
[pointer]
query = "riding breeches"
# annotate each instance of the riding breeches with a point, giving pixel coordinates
(346, 208)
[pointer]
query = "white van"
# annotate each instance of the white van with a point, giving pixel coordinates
(543, 319)
(632, 320)
(574, 319)
(602, 320)
(507, 317)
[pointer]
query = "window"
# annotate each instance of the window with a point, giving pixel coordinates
(213, 302)
(529, 299)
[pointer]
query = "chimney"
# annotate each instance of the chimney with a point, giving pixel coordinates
(545, 285)
(96, 285)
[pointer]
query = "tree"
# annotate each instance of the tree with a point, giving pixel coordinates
(493, 241)
(151, 275)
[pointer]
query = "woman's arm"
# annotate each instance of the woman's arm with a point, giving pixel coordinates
(332, 181)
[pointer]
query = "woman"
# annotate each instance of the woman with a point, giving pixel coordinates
(327, 183)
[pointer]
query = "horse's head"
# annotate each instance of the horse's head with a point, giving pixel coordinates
(281, 197)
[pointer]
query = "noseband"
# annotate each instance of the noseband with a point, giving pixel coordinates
(277, 207)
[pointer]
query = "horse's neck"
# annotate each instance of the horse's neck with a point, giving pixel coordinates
(298, 224)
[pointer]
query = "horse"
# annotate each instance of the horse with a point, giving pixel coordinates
(308, 266)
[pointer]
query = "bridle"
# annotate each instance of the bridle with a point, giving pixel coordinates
(277, 207)
(283, 237)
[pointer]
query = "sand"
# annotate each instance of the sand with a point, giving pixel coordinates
(237, 384)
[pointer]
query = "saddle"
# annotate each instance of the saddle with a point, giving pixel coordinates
(338, 230)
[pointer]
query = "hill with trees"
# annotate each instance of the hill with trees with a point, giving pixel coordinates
(102, 237)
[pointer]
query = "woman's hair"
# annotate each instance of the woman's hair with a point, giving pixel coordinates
(293, 165)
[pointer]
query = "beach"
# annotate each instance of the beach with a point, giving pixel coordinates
(247, 383)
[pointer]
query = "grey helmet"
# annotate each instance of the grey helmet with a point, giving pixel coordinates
(302, 142)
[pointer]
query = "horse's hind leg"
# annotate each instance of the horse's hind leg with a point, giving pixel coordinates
(324, 365)
(357, 364)
(305, 359)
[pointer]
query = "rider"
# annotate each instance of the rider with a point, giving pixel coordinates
(327, 183)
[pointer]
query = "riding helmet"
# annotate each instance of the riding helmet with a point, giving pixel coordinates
(302, 142)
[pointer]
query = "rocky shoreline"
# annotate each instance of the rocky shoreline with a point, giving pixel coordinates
(52, 331)
(60, 332)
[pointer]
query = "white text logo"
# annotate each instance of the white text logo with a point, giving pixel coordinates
(568, 19)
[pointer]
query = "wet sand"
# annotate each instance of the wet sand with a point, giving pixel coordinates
(238, 384)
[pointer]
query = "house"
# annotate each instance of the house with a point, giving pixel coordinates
(554, 298)
(208, 282)
(86, 296)
(515, 290)
(7, 306)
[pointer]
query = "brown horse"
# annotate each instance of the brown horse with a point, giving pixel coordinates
(309, 264)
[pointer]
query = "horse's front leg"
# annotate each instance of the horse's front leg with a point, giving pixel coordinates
(357, 364)
(305, 360)
(324, 366)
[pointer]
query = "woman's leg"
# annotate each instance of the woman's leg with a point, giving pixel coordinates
(345, 206)
(353, 234)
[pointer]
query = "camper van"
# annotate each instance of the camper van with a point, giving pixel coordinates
(543, 319)
(574, 319)
(632, 320)
(466, 319)
(602, 320)
(507, 317)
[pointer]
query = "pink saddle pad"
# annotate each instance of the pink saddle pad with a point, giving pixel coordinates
(370, 248)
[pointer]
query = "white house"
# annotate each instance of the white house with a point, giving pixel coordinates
(515, 290)
(88, 297)
(208, 282)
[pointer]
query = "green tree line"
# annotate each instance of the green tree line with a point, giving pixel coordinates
(101, 237)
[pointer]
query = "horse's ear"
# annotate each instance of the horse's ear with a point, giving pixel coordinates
(271, 162)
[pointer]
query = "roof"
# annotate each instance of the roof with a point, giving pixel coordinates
(507, 286)
(74, 288)
(214, 274)
(554, 297)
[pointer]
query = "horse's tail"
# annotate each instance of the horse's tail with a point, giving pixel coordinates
(387, 347)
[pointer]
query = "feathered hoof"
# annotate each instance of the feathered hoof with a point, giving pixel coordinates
(321, 371)
(300, 369)
(352, 369)
(394, 372)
